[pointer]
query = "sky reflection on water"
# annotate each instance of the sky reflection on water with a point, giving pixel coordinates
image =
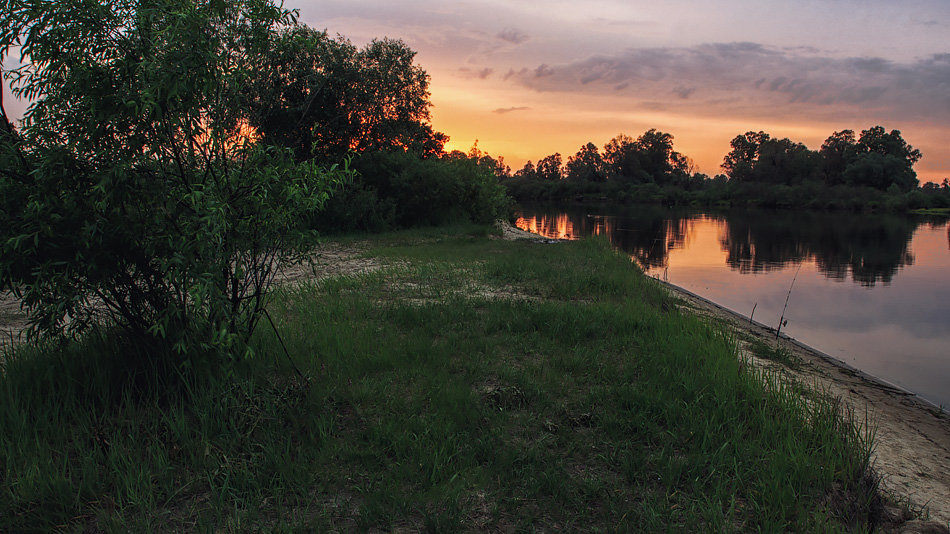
(871, 290)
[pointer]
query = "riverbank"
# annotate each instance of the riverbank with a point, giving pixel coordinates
(440, 380)
(911, 436)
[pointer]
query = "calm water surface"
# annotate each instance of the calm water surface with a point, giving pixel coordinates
(870, 290)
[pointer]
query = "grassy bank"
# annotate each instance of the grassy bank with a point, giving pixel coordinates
(471, 384)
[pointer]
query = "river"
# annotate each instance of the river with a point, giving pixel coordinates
(870, 290)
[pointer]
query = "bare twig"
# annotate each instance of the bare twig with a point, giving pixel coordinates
(286, 352)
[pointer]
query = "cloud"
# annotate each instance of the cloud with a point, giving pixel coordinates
(683, 92)
(502, 111)
(757, 79)
(481, 74)
(543, 70)
(513, 36)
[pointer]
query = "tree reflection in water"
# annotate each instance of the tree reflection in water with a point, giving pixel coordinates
(871, 248)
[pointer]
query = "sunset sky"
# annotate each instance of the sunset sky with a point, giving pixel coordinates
(531, 78)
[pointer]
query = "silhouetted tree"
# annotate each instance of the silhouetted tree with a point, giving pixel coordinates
(745, 151)
(837, 152)
(656, 154)
(782, 161)
(877, 159)
(527, 172)
(549, 168)
(586, 165)
(883, 159)
(485, 161)
(324, 97)
(622, 160)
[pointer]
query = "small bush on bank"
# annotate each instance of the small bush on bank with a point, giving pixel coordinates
(397, 189)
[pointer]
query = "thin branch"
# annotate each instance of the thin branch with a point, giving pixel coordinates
(286, 352)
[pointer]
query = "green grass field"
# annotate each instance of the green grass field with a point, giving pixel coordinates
(469, 384)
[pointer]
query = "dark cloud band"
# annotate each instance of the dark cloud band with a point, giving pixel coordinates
(752, 76)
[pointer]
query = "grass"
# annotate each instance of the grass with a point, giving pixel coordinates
(474, 384)
(775, 353)
(931, 211)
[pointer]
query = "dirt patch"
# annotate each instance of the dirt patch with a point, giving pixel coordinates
(12, 320)
(327, 260)
(512, 233)
(911, 436)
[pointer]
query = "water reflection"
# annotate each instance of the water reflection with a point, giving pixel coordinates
(871, 249)
(648, 234)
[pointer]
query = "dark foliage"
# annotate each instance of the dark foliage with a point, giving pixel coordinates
(324, 97)
(398, 189)
(873, 172)
(133, 191)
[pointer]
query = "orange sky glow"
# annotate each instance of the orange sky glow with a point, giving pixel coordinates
(529, 79)
(564, 123)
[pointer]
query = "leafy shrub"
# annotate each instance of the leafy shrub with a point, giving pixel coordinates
(398, 189)
(134, 191)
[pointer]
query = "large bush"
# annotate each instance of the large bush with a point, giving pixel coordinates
(134, 190)
(399, 189)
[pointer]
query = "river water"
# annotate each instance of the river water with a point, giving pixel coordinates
(870, 290)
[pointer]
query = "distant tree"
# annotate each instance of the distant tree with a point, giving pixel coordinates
(496, 166)
(324, 97)
(649, 158)
(622, 160)
(683, 164)
(684, 172)
(782, 161)
(656, 154)
(485, 161)
(878, 140)
(757, 157)
(455, 154)
(586, 165)
(550, 168)
(883, 159)
(745, 150)
(872, 169)
(527, 172)
(837, 152)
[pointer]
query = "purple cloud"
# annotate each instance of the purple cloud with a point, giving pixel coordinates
(513, 36)
(502, 111)
(761, 77)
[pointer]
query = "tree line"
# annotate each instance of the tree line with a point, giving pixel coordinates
(852, 171)
(649, 158)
